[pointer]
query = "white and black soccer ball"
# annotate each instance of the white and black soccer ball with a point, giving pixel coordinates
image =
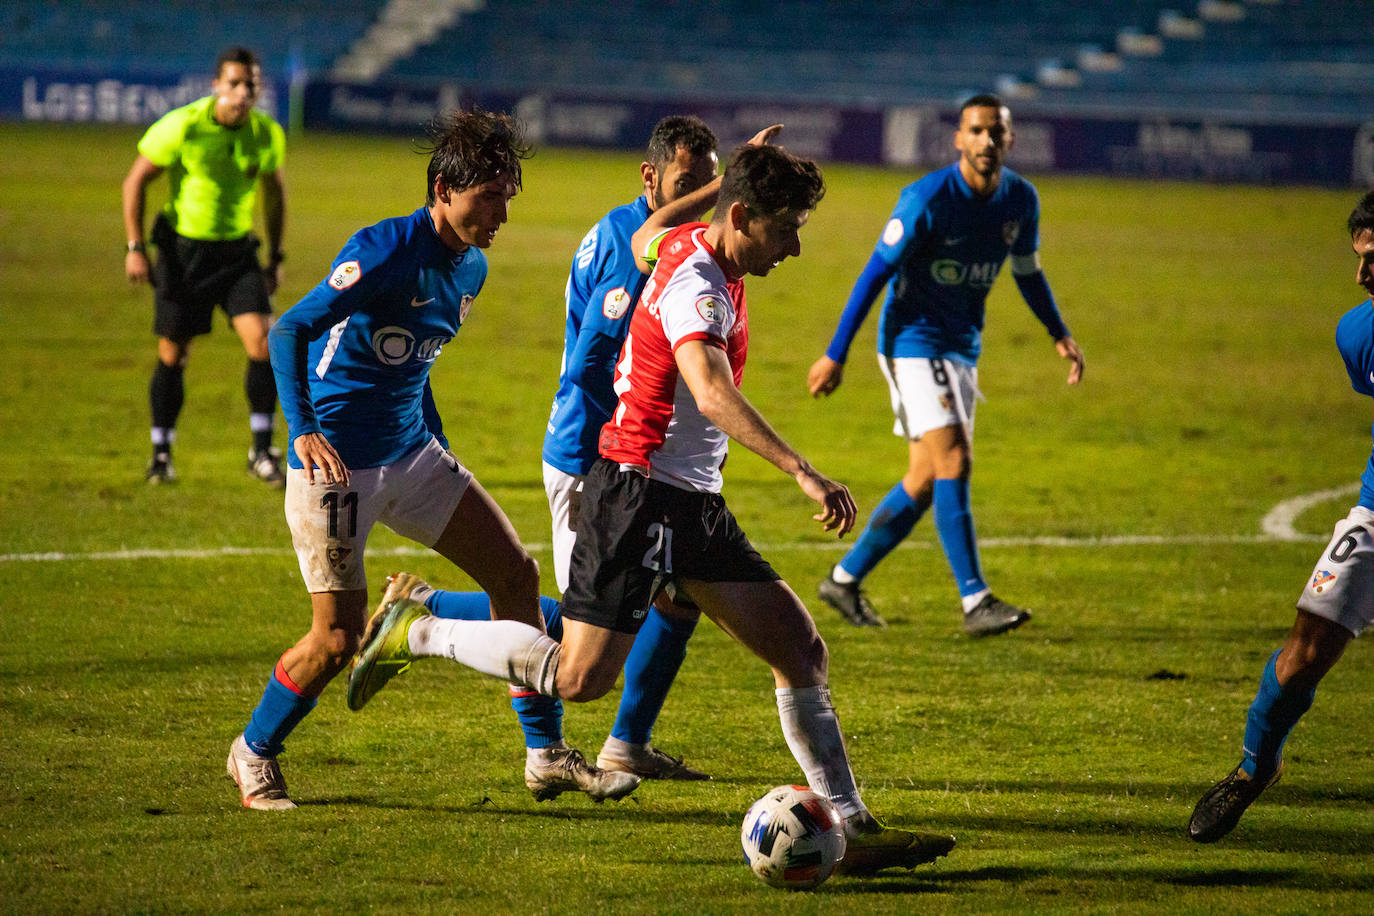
(793, 837)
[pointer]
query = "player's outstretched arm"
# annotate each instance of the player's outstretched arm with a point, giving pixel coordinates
(687, 208)
(1068, 348)
(706, 370)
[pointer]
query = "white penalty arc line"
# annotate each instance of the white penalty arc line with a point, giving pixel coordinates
(1276, 526)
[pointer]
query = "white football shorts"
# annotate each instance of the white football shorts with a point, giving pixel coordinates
(930, 394)
(564, 491)
(414, 497)
(1341, 588)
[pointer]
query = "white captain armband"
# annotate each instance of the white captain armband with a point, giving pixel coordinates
(1022, 264)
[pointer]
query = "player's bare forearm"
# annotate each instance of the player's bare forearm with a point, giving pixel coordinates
(274, 209)
(133, 194)
(706, 370)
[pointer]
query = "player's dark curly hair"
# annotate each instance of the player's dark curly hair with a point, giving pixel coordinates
(1362, 217)
(468, 148)
(982, 100)
(768, 180)
(679, 131)
(236, 54)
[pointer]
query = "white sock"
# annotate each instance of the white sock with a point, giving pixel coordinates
(813, 734)
(971, 601)
(513, 651)
(842, 575)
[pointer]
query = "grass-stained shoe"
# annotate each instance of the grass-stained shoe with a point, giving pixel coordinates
(877, 847)
(646, 762)
(1220, 808)
(566, 770)
(259, 779)
(385, 651)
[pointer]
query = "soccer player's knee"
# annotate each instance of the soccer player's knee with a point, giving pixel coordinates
(581, 686)
(811, 661)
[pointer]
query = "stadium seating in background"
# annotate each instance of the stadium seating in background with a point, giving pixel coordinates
(1210, 57)
(178, 36)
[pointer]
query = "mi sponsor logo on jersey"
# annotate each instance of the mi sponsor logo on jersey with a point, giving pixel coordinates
(616, 303)
(1322, 580)
(345, 275)
(949, 272)
(395, 346)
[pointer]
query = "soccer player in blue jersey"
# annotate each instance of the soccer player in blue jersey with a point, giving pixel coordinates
(352, 362)
(603, 287)
(1336, 605)
(939, 255)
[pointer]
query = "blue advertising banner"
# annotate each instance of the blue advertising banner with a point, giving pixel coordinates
(1153, 147)
(908, 137)
(109, 98)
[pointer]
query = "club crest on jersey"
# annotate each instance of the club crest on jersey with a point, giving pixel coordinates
(893, 231)
(1011, 231)
(1322, 580)
(616, 303)
(338, 556)
(345, 275)
(710, 308)
(464, 306)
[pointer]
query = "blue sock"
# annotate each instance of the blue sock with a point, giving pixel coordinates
(1272, 716)
(541, 717)
(889, 524)
(954, 522)
(281, 708)
(652, 664)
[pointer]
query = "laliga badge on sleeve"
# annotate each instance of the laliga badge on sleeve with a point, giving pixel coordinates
(616, 303)
(345, 275)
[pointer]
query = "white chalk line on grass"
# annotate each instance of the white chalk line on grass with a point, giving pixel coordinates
(1277, 525)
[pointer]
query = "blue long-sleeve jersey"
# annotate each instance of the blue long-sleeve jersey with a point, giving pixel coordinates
(1355, 340)
(603, 286)
(352, 358)
(941, 250)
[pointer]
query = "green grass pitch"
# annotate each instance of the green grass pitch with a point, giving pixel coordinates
(137, 625)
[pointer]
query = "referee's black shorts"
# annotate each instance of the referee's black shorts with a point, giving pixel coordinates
(635, 535)
(191, 277)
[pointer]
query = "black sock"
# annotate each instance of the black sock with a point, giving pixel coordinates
(166, 394)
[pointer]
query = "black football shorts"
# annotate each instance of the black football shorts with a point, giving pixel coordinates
(191, 277)
(635, 535)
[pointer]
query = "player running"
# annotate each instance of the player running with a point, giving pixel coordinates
(652, 513)
(940, 253)
(216, 152)
(352, 361)
(1336, 606)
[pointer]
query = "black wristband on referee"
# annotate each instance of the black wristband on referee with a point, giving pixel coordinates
(276, 258)
(136, 246)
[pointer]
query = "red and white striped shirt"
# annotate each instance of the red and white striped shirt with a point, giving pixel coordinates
(656, 425)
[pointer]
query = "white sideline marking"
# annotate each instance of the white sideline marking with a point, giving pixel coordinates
(1278, 524)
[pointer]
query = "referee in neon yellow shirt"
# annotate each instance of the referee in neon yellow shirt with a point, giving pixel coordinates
(216, 152)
